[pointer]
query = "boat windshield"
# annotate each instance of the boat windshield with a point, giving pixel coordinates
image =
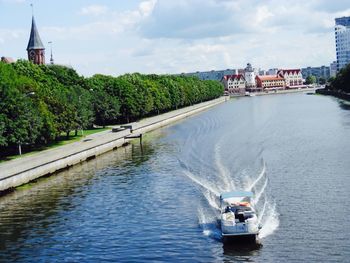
(237, 209)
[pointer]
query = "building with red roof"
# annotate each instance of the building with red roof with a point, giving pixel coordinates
(293, 77)
(270, 82)
(7, 60)
(234, 84)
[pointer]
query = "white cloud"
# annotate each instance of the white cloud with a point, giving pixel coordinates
(11, 35)
(262, 14)
(94, 10)
(164, 36)
(146, 7)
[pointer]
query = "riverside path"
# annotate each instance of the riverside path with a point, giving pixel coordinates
(23, 170)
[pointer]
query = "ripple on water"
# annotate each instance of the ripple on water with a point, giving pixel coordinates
(160, 203)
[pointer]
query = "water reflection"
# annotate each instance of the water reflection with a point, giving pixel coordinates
(160, 203)
(31, 210)
(345, 105)
(242, 252)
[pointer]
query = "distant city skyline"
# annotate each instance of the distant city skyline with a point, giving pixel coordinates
(163, 36)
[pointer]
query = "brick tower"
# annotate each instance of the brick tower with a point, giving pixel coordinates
(35, 48)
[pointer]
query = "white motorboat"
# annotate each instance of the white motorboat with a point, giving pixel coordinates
(238, 217)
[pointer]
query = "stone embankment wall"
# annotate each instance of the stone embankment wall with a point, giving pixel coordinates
(23, 170)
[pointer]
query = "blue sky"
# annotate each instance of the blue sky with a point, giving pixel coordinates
(165, 36)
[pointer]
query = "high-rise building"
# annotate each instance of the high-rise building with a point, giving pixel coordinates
(342, 41)
(318, 72)
(35, 48)
(272, 71)
(211, 75)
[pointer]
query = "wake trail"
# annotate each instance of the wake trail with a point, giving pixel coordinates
(208, 225)
(258, 195)
(211, 200)
(271, 221)
(261, 175)
(205, 185)
(223, 171)
(261, 214)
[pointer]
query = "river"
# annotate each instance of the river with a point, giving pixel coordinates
(158, 202)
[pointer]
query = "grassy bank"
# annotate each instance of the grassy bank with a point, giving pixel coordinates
(62, 140)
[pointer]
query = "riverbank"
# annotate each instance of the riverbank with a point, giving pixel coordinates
(339, 95)
(287, 91)
(23, 170)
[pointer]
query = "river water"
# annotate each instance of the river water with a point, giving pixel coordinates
(159, 202)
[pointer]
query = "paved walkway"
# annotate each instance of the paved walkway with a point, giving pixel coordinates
(25, 163)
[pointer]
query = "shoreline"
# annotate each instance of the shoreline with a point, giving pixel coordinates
(336, 94)
(23, 170)
(252, 94)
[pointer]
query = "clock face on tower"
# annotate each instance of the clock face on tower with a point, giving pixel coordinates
(32, 55)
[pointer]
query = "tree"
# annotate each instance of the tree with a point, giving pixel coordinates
(106, 108)
(342, 81)
(311, 79)
(331, 79)
(3, 120)
(39, 102)
(321, 81)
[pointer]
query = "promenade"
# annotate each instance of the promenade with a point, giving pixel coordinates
(23, 170)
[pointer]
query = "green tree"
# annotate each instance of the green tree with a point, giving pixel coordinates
(3, 121)
(106, 108)
(310, 79)
(321, 81)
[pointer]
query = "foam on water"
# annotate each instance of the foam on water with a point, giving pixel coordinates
(208, 224)
(269, 221)
(258, 194)
(212, 200)
(261, 175)
(223, 171)
(201, 182)
(212, 185)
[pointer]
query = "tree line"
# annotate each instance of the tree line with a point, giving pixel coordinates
(39, 103)
(341, 83)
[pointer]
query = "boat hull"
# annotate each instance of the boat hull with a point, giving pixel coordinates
(242, 238)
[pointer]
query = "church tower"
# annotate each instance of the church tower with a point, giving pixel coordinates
(35, 48)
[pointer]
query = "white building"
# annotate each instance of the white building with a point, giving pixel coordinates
(249, 76)
(342, 41)
(234, 84)
(293, 77)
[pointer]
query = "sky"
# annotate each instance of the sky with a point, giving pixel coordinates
(114, 37)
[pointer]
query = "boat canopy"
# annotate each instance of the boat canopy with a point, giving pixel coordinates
(236, 194)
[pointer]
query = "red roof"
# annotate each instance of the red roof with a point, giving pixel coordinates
(289, 71)
(233, 77)
(7, 60)
(267, 77)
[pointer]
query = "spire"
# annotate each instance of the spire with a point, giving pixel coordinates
(51, 59)
(34, 40)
